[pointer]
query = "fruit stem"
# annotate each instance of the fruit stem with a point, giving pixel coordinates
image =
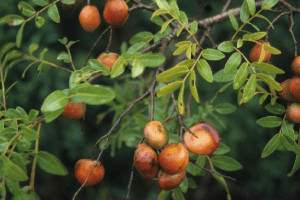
(88, 2)
(33, 169)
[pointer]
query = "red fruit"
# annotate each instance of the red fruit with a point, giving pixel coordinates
(108, 59)
(116, 12)
(168, 181)
(256, 52)
(202, 142)
(285, 92)
(145, 161)
(296, 65)
(155, 135)
(210, 129)
(74, 110)
(174, 158)
(293, 113)
(89, 18)
(294, 86)
(83, 168)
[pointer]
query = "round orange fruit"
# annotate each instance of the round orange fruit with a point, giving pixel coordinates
(74, 110)
(89, 18)
(155, 135)
(170, 181)
(256, 52)
(115, 12)
(108, 59)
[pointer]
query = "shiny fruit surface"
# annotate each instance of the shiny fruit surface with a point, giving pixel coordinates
(170, 181)
(145, 161)
(155, 135)
(89, 18)
(174, 158)
(108, 59)
(116, 12)
(74, 110)
(83, 168)
(293, 113)
(296, 65)
(257, 50)
(294, 86)
(285, 92)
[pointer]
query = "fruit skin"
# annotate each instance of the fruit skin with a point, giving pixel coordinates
(202, 142)
(155, 135)
(145, 161)
(296, 65)
(71, 7)
(256, 51)
(108, 59)
(294, 87)
(293, 113)
(174, 158)
(89, 18)
(170, 181)
(210, 129)
(285, 92)
(74, 110)
(83, 168)
(116, 12)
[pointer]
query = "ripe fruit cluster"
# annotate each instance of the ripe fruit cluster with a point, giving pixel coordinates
(291, 93)
(257, 51)
(115, 14)
(169, 166)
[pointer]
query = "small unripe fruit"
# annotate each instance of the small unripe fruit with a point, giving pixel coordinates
(285, 92)
(108, 59)
(71, 7)
(89, 18)
(155, 135)
(296, 65)
(83, 168)
(202, 141)
(74, 110)
(168, 181)
(294, 87)
(115, 12)
(174, 158)
(256, 52)
(293, 113)
(145, 161)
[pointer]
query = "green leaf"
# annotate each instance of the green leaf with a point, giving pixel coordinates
(205, 70)
(194, 27)
(180, 103)
(13, 171)
(181, 49)
(118, 68)
(232, 63)
(13, 186)
(268, 68)
(269, 121)
(137, 68)
(26, 9)
(222, 181)
(151, 59)
(244, 14)
(177, 194)
(54, 101)
(184, 185)
(172, 73)
(287, 128)
(174, 8)
(32, 48)
(251, 6)
(233, 21)
(183, 18)
(241, 76)
(28, 134)
(40, 2)
(296, 166)
(5, 48)
(272, 50)
(290, 144)
(226, 47)
(179, 31)
(254, 36)
(64, 56)
(221, 77)
(32, 115)
(98, 66)
(163, 4)
(50, 116)
(222, 149)
(268, 4)
(163, 195)
(168, 88)
(141, 37)
(159, 12)
(192, 183)
(249, 89)
(239, 43)
(226, 163)
(225, 108)
(212, 54)
(271, 146)
(165, 25)
(195, 169)
(51, 164)
(92, 94)
(276, 108)
(68, 1)
(12, 20)
(269, 81)
(53, 13)
(193, 87)
(187, 63)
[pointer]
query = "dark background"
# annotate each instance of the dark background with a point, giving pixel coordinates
(70, 140)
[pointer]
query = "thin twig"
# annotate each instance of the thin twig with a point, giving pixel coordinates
(289, 6)
(274, 20)
(226, 5)
(292, 34)
(109, 40)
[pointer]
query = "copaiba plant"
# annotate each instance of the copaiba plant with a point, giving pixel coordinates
(162, 96)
